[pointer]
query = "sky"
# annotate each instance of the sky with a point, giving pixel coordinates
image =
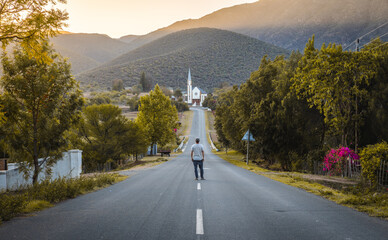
(117, 18)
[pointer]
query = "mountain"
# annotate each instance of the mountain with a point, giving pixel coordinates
(290, 23)
(87, 51)
(213, 55)
(129, 38)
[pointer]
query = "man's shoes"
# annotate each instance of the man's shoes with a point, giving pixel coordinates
(202, 178)
(196, 179)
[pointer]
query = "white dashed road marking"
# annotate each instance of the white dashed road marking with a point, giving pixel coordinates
(198, 186)
(199, 222)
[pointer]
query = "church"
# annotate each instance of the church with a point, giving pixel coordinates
(194, 96)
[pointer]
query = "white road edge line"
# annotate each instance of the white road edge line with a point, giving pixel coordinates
(199, 222)
(198, 186)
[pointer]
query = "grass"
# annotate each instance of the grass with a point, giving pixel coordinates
(207, 126)
(185, 118)
(358, 197)
(36, 205)
(148, 161)
(47, 193)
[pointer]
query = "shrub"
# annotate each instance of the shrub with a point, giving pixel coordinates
(371, 157)
(335, 160)
(11, 205)
(36, 205)
(41, 195)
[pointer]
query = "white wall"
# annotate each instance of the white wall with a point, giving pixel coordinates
(196, 93)
(69, 166)
(3, 180)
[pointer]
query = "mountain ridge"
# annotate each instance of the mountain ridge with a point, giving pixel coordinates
(289, 23)
(214, 55)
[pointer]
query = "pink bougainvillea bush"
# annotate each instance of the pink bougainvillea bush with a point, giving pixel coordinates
(336, 160)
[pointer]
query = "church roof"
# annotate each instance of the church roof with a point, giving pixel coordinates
(202, 91)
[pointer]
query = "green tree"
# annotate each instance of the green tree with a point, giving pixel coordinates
(105, 135)
(158, 117)
(283, 126)
(133, 103)
(41, 102)
(227, 125)
(375, 119)
(334, 82)
(210, 102)
(166, 91)
(117, 85)
(29, 20)
(180, 105)
(145, 82)
(178, 93)
(99, 99)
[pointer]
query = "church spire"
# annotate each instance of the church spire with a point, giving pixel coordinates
(189, 89)
(189, 76)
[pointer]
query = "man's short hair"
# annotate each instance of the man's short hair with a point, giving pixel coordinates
(197, 140)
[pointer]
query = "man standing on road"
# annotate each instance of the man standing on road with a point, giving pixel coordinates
(197, 157)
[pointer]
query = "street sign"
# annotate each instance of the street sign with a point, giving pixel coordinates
(245, 138)
(248, 137)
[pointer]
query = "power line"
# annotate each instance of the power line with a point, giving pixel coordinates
(373, 30)
(365, 35)
(373, 39)
(379, 45)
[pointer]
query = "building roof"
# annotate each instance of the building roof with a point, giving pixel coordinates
(202, 91)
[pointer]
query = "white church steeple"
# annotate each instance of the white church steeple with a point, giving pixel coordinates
(189, 89)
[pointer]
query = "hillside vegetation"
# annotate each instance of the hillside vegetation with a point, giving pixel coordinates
(214, 56)
(87, 51)
(290, 23)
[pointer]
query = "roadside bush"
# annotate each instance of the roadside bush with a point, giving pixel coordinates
(371, 157)
(42, 194)
(11, 205)
(336, 160)
(54, 191)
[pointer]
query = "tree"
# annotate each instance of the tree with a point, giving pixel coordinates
(210, 102)
(334, 82)
(41, 102)
(373, 130)
(117, 85)
(133, 103)
(106, 134)
(283, 126)
(145, 82)
(28, 22)
(30, 19)
(158, 117)
(178, 93)
(166, 91)
(180, 105)
(99, 99)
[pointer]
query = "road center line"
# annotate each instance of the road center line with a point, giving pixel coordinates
(199, 222)
(198, 186)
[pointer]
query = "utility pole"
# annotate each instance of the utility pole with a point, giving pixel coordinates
(357, 45)
(249, 134)
(356, 123)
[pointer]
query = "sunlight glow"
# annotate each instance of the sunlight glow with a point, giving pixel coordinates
(122, 17)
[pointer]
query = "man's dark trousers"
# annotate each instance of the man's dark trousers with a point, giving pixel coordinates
(196, 164)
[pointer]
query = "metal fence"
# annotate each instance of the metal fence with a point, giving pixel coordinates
(347, 168)
(382, 174)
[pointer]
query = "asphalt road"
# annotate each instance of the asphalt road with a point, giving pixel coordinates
(165, 202)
